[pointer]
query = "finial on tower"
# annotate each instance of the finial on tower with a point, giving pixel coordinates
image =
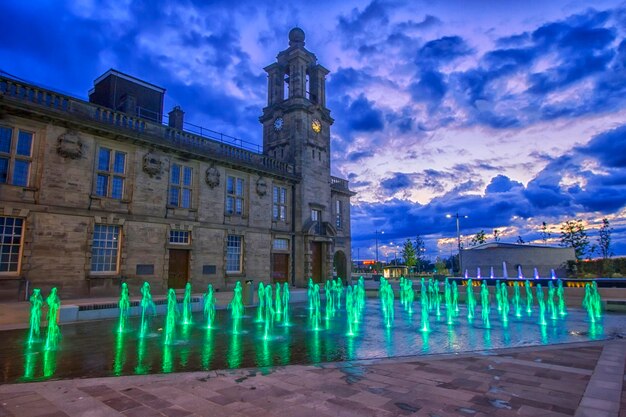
(296, 37)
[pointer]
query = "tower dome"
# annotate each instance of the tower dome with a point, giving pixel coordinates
(296, 37)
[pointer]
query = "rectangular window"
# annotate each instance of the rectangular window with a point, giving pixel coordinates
(111, 173)
(233, 254)
(281, 244)
(280, 203)
(105, 248)
(181, 180)
(15, 156)
(179, 237)
(11, 232)
(234, 196)
(316, 216)
(338, 214)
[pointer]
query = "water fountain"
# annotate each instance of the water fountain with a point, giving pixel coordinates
(424, 301)
(519, 272)
(529, 298)
(486, 308)
(213, 346)
(561, 297)
(478, 273)
(517, 300)
(170, 317)
(146, 303)
(471, 301)
(54, 332)
(498, 296)
(36, 301)
(505, 273)
(278, 303)
(491, 275)
(455, 298)
(261, 309)
(124, 306)
(209, 306)
(187, 316)
(542, 306)
(286, 305)
(552, 274)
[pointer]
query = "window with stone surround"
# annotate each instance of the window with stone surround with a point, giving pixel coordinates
(11, 242)
(279, 203)
(16, 147)
(233, 254)
(110, 173)
(181, 180)
(179, 237)
(234, 196)
(105, 249)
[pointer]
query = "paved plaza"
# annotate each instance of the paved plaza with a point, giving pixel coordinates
(583, 379)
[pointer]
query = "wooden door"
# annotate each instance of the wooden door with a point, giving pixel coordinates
(179, 268)
(280, 267)
(316, 260)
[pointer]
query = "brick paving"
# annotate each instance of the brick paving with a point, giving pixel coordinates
(550, 381)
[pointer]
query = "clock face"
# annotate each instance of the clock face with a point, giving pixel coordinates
(278, 124)
(316, 125)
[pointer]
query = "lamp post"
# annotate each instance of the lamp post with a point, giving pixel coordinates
(382, 232)
(458, 237)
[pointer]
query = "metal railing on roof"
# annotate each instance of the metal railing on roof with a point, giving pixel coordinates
(216, 144)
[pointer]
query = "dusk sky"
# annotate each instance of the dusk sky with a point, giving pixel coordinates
(510, 112)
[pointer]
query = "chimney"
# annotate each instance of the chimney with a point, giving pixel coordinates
(176, 118)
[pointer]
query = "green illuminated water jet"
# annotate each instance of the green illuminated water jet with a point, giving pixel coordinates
(529, 298)
(504, 300)
(551, 305)
(261, 309)
(315, 312)
(517, 300)
(425, 325)
(187, 315)
(278, 309)
(592, 302)
(209, 306)
(448, 301)
(269, 312)
(54, 332)
(170, 318)
(498, 296)
(471, 301)
(486, 308)
(561, 297)
(309, 293)
(236, 307)
(328, 292)
(36, 301)
(286, 305)
(349, 310)
(146, 303)
(455, 298)
(124, 306)
(542, 306)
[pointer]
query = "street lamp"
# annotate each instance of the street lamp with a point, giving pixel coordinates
(382, 232)
(458, 237)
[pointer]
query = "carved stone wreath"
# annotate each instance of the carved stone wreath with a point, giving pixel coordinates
(261, 187)
(212, 177)
(69, 145)
(152, 165)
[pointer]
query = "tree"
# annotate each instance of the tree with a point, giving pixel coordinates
(520, 241)
(496, 235)
(545, 234)
(420, 247)
(604, 239)
(408, 253)
(479, 238)
(573, 234)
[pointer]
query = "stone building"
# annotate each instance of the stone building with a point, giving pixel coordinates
(99, 192)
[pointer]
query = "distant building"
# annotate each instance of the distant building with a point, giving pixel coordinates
(93, 193)
(511, 256)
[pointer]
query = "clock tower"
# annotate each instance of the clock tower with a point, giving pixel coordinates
(296, 130)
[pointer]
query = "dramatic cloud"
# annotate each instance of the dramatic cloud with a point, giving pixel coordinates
(510, 114)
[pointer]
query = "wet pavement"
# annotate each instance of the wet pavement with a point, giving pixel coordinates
(582, 379)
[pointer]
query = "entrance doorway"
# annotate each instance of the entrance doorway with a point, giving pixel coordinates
(316, 261)
(179, 268)
(280, 267)
(340, 265)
